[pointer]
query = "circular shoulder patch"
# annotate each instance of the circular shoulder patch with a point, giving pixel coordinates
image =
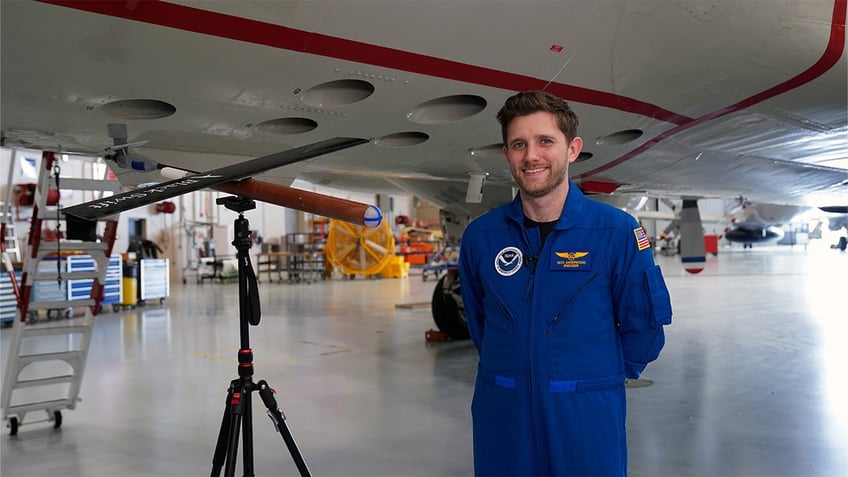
(508, 261)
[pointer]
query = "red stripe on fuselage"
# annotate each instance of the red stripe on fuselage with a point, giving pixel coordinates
(831, 55)
(277, 36)
(261, 33)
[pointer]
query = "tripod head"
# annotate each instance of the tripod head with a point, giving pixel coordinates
(248, 289)
(237, 204)
(242, 240)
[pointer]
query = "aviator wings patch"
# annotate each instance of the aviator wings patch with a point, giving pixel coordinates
(571, 255)
(571, 261)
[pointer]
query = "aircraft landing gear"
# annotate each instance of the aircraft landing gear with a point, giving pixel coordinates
(447, 307)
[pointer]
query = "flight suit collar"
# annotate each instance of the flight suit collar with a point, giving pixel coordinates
(572, 212)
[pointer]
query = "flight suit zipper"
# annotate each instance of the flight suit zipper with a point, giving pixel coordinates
(533, 261)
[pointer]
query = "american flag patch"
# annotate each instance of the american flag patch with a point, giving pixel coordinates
(642, 241)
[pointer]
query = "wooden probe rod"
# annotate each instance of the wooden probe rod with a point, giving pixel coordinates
(311, 202)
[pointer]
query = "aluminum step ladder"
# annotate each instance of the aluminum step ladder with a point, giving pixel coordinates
(10, 245)
(46, 359)
(10, 254)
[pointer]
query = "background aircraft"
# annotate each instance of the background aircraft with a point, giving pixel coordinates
(684, 100)
(744, 222)
(761, 223)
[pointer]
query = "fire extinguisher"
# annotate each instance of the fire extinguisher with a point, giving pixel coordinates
(25, 195)
(166, 207)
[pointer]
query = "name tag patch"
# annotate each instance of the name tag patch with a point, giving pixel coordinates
(571, 261)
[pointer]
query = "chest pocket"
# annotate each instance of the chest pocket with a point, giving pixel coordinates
(581, 335)
(575, 296)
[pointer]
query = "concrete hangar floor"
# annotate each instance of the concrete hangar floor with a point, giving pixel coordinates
(751, 382)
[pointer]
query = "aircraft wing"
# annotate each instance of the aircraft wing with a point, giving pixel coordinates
(676, 99)
(107, 206)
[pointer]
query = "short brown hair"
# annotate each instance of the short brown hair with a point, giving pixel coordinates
(529, 102)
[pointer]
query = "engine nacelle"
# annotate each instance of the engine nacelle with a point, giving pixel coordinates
(748, 235)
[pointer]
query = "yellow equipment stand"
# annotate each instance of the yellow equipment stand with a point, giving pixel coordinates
(354, 249)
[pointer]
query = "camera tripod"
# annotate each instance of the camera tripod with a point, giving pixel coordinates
(238, 409)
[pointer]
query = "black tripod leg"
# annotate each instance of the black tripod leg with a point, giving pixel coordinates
(247, 434)
(223, 435)
(239, 396)
(267, 395)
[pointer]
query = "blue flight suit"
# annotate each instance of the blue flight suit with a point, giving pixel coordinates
(558, 325)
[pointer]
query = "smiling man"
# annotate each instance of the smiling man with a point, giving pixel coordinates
(563, 302)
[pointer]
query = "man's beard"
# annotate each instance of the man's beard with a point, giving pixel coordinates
(546, 189)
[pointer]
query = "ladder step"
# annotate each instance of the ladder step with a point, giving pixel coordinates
(53, 275)
(34, 330)
(54, 404)
(30, 383)
(55, 305)
(49, 213)
(70, 246)
(67, 356)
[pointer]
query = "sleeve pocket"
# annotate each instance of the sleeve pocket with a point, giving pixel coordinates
(658, 297)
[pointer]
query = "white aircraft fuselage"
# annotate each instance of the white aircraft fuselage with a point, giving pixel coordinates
(678, 99)
(687, 98)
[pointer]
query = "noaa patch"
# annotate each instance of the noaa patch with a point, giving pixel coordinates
(508, 261)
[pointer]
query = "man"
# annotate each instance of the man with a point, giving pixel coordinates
(563, 302)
